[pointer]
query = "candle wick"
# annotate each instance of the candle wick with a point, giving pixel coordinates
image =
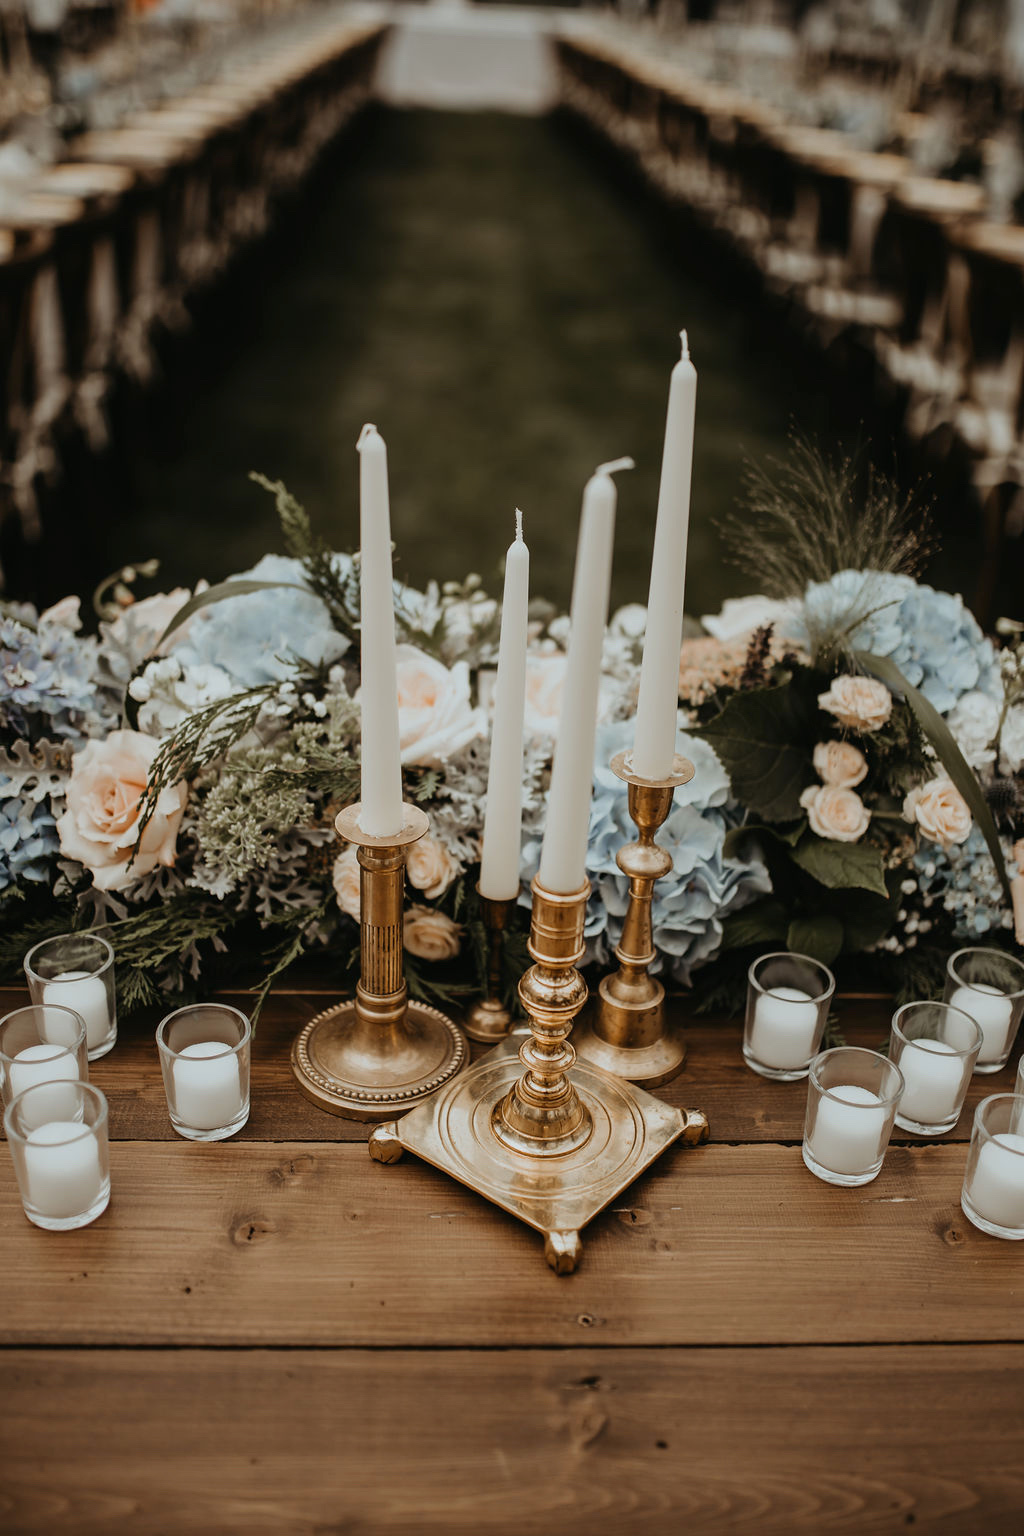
(364, 434)
(519, 526)
(613, 466)
(686, 346)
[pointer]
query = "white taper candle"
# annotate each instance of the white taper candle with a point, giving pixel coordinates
(563, 854)
(503, 818)
(654, 744)
(381, 780)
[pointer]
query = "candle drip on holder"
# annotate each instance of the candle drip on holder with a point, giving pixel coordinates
(380, 1054)
(626, 1032)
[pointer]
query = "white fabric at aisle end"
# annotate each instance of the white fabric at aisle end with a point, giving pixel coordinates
(452, 55)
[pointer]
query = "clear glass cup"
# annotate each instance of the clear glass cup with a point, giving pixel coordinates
(788, 999)
(852, 1097)
(76, 970)
(204, 1056)
(935, 1047)
(993, 1192)
(63, 1166)
(989, 985)
(43, 1043)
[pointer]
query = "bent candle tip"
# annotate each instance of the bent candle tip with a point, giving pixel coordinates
(613, 466)
(364, 434)
(686, 346)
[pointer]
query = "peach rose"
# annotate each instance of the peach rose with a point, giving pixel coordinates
(835, 812)
(431, 935)
(436, 717)
(100, 827)
(345, 879)
(940, 810)
(545, 676)
(859, 703)
(840, 763)
(430, 867)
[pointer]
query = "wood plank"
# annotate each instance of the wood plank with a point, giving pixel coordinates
(579, 1441)
(308, 1244)
(742, 1107)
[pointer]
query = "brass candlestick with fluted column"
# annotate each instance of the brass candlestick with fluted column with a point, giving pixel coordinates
(626, 1032)
(548, 1139)
(376, 1056)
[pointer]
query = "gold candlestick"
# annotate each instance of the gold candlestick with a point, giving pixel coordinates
(489, 1019)
(545, 1138)
(626, 1033)
(381, 1054)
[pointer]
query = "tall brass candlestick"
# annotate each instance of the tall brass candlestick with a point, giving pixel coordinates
(549, 1140)
(627, 1033)
(381, 1054)
(489, 1019)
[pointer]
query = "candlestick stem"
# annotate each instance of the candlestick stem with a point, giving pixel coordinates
(489, 1020)
(627, 1033)
(380, 1054)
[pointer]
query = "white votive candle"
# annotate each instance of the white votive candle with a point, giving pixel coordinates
(87, 996)
(848, 1129)
(207, 1085)
(782, 1034)
(62, 1169)
(933, 1073)
(992, 1011)
(54, 1066)
(996, 1187)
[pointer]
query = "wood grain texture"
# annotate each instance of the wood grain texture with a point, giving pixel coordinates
(742, 1107)
(635, 1442)
(306, 1244)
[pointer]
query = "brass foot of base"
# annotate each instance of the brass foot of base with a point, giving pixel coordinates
(488, 1021)
(376, 1073)
(562, 1251)
(647, 1065)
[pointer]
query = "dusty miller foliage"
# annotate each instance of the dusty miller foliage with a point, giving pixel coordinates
(803, 519)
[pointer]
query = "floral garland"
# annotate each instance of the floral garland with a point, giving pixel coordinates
(174, 778)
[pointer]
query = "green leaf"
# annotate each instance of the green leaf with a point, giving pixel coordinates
(736, 838)
(820, 937)
(763, 922)
(762, 739)
(949, 754)
(839, 865)
(217, 594)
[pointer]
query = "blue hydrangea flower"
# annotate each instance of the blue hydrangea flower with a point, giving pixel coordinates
(47, 679)
(936, 641)
(262, 636)
(28, 841)
(703, 887)
(963, 882)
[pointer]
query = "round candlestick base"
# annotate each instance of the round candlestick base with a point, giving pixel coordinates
(646, 1065)
(487, 1021)
(376, 1073)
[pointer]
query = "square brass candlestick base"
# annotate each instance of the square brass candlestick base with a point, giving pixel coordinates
(556, 1196)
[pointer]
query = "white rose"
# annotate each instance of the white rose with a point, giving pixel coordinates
(1011, 740)
(430, 867)
(629, 621)
(101, 827)
(149, 618)
(974, 721)
(940, 810)
(742, 615)
(835, 812)
(436, 717)
(345, 879)
(545, 677)
(67, 613)
(431, 935)
(859, 703)
(840, 764)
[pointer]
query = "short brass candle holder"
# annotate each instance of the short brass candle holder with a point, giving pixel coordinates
(626, 1032)
(489, 1020)
(380, 1054)
(547, 1139)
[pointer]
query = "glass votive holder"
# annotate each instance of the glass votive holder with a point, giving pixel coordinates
(43, 1043)
(993, 1192)
(989, 985)
(204, 1056)
(76, 970)
(852, 1096)
(788, 999)
(935, 1047)
(62, 1166)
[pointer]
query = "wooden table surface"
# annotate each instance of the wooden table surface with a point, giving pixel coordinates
(275, 1334)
